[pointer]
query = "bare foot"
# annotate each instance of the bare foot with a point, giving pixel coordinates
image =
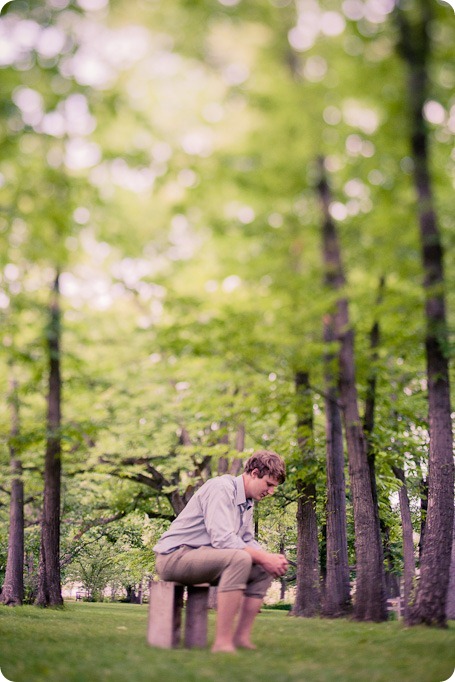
(246, 645)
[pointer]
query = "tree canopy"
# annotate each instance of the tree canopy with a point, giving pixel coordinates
(163, 157)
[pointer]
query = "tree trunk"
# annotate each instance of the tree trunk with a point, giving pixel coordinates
(323, 559)
(283, 582)
(223, 462)
(256, 521)
(49, 583)
(307, 601)
(430, 602)
(370, 603)
(392, 587)
(423, 512)
(370, 401)
(13, 586)
(450, 609)
(337, 599)
(31, 578)
(392, 580)
(237, 462)
(408, 541)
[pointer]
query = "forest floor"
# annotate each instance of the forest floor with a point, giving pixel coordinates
(85, 642)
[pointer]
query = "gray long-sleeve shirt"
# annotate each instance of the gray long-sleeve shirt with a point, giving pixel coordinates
(218, 515)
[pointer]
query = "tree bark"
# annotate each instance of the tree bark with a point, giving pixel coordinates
(423, 512)
(307, 601)
(408, 542)
(13, 586)
(31, 578)
(283, 581)
(430, 602)
(392, 580)
(237, 462)
(49, 582)
(336, 599)
(450, 608)
(370, 602)
(223, 462)
(370, 401)
(392, 587)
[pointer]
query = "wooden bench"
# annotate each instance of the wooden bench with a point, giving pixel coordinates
(166, 601)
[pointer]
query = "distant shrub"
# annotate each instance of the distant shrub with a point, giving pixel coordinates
(279, 606)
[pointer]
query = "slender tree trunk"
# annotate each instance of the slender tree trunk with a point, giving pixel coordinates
(323, 560)
(237, 462)
(430, 602)
(13, 586)
(223, 462)
(177, 500)
(240, 438)
(408, 541)
(391, 581)
(423, 512)
(31, 578)
(370, 602)
(283, 578)
(337, 599)
(307, 601)
(49, 583)
(370, 401)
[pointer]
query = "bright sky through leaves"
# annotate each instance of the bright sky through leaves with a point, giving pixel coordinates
(451, 3)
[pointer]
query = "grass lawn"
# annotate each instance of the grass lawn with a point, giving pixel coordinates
(87, 642)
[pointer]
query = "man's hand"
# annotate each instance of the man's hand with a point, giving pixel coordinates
(275, 564)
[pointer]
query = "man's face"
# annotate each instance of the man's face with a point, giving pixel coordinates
(258, 488)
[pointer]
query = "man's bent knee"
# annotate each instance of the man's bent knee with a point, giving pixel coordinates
(243, 558)
(235, 575)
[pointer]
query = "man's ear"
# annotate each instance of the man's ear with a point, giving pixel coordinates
(255, 473)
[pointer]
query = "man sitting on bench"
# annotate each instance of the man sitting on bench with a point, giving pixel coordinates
(212, 541)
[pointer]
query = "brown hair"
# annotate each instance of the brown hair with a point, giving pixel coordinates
(268, 463)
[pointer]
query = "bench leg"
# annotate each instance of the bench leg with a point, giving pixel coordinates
(196, 616)
(165, 609)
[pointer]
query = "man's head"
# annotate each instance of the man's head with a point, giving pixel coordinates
(264, 470)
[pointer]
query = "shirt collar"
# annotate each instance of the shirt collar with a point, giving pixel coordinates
(240, 497)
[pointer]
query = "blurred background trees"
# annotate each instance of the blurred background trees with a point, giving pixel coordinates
(164, 158)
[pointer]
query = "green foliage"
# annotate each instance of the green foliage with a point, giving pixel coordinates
(94, 568)
(177, 194)
(115, 556)
(279, 606)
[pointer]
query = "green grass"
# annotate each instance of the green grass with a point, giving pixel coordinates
(87, 642)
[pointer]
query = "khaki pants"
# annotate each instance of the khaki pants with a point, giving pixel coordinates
(230, 569)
